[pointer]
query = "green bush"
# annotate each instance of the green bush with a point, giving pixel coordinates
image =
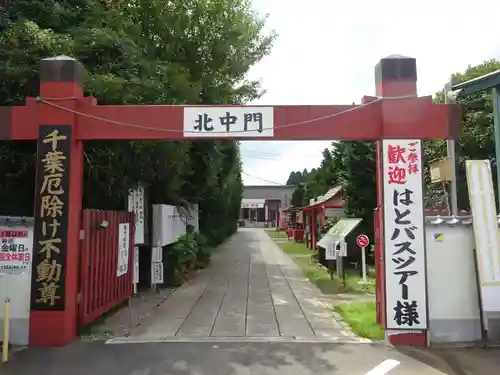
(204, 251)
(189, 253)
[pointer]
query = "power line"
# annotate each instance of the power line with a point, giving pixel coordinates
(276, 156)
(273, 159)
(45, 101)
(260, 152)
(263, 179)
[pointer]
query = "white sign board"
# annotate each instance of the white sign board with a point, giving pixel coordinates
(404, 239)
(136, 264)
(156, 273)
(136, 205)
(482, 202)
(330, 251)
(252, 205)
(157, 254)
(123, 248)
(16, 249)
(168, 224)
(235, 121)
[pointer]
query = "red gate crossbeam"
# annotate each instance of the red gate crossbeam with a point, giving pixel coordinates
(399, 114)
(385, 118)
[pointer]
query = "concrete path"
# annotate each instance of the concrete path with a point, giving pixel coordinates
(252, 291)
(251, 313)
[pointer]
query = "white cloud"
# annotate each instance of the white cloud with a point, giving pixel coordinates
(326, 52)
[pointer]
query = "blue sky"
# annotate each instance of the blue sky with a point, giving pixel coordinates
(326, 52)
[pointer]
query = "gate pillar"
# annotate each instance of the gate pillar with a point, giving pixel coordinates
(395, 76)
(58, 201)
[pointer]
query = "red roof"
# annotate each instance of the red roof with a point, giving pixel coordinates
(330, 194)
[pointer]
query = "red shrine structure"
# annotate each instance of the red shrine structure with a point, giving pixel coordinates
(61, 119)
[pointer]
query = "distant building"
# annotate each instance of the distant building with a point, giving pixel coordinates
(265, 203)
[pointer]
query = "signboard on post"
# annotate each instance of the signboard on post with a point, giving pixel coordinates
(330, 251)
(136, 204)
(136, 268)
(404, 240)
(136, 264)
(157, 254)
(362, 240)
(123, 248)
(157, 273)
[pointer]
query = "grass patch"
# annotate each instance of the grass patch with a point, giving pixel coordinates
(362, 317)
(321, 277)
(276, 234)
(295, 248)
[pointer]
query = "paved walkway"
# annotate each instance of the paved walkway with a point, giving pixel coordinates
(251, 313)
(252, 291)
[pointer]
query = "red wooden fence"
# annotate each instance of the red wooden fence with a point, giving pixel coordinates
(100, 288)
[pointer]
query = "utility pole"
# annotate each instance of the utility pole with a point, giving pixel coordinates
(450, 153)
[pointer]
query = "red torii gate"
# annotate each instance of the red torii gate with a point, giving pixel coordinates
(62, 119)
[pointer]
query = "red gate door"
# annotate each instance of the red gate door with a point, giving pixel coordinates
(106, 263)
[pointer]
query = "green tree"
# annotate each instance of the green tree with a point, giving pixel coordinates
(316, 182)
(298, 196)
(353, 164)
(138, 52)
(296, 178)
(359, 180)
(477, 140)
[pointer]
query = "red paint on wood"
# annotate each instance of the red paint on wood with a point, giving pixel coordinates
(57, 328)
(100, 287)
(24, 123)
(410, 339)
(314, 228)
(404, 118)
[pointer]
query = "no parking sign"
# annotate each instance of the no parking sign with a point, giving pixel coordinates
(362, 240)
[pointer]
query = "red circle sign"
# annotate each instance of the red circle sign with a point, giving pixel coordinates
(362, 240)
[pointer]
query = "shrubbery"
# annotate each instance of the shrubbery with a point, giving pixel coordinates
(190, 253)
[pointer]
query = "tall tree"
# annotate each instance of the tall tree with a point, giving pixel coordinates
(352, 164)
(138, 52)
(477, 141)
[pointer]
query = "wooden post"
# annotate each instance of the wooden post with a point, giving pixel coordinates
(58, 203)
(395, 76)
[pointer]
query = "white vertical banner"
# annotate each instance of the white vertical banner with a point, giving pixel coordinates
(157, 273)
(482, 202)
(404, 234)
(157, 254)
(136, 202)
(123, 248)
(136, 264)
